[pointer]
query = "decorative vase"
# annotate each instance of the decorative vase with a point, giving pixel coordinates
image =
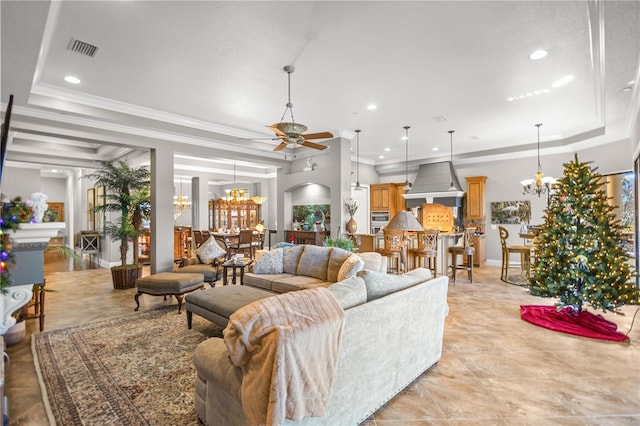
(352, 226)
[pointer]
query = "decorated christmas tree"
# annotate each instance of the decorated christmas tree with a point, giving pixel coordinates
(580, 258)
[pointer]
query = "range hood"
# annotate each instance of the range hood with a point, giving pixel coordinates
(435, 183)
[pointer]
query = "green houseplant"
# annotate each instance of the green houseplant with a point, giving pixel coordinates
(123, 185)
(340, 242)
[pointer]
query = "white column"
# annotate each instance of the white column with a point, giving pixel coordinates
(161, 210)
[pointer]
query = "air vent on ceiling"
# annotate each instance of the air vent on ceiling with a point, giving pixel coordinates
(83, 48)
(439, 118)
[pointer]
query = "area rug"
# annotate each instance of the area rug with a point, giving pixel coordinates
(131, 370)
(568, 320)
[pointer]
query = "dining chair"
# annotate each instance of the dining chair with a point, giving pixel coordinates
(197, 238)
(244, 244)
(507, 250)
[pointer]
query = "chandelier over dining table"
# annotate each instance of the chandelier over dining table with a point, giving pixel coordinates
(181, 202)
(236, 196)
(541, 184)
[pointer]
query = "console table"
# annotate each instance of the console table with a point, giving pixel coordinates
(306, 237)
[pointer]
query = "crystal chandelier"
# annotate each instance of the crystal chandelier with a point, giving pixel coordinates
(181, 202)
(541, 184)
(234, 195)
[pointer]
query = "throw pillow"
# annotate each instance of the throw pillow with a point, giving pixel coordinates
(209, 250)
(314, 262)
(350, 267)
(291, 258)
(270, 262)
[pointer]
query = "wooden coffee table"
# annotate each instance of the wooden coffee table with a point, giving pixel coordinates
(235, 266)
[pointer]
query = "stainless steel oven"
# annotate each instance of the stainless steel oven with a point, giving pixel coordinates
(380, 216)
(379, 219)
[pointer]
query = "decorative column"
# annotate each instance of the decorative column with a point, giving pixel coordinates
(28, 244)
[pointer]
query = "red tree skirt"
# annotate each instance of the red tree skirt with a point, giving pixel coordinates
(568, 320)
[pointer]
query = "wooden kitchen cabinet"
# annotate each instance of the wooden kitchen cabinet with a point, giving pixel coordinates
(387, 197)
(475, 197)
(382, 196)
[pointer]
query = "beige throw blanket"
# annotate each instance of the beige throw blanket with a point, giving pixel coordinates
(287, 347)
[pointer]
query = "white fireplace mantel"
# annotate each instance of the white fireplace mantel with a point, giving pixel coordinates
(35, 236)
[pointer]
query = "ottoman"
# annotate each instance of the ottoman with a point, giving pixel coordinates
(218, 303)
(168, 284)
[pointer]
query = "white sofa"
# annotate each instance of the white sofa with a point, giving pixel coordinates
(393, 332)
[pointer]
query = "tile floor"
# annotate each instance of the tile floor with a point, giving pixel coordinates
(495, 369)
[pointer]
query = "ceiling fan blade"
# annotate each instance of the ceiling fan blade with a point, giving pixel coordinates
(280, 147)
(321, 135)
(275, 130)
(313, 145)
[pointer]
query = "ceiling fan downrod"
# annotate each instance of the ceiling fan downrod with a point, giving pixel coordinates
(289, 106)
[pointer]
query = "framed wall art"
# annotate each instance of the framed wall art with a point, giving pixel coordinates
(510, 212)
(90, 213)
(99, 201)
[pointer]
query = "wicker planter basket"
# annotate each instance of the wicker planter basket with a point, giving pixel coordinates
(125, 277)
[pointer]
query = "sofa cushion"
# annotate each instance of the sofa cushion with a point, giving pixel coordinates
(269, 262)
(380, 284)
(314, 261)
(350, 292)
(263, 281)
(290, 258)
(297, 282)
(350, 267)
(209, 250)
(336, 259)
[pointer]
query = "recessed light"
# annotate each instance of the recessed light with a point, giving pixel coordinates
(72, 79)
(380, 156)
(371, 107)
(538, 54)
(404, 138)
(564, 80)
(435, 148)
(631, 82)
(387, 149)
(627, 89)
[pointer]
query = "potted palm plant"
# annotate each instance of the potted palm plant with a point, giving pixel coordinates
(122, 187)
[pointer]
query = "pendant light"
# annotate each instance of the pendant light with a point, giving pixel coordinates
(539, 185)
(407, 184)
(452, 187)
(358, 187)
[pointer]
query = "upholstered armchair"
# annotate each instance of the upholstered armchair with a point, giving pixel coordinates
(207, 260)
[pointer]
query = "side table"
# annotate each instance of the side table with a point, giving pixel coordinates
(235, 266)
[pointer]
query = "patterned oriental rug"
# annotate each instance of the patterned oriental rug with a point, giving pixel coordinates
(130, 370)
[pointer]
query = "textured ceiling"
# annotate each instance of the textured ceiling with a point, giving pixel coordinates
(209, 75)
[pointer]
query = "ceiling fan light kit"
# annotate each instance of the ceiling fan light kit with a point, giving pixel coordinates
(292, 133)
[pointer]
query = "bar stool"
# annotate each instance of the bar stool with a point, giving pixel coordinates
(467, 250)
(523, 250)
(393, 241)
(426, 253)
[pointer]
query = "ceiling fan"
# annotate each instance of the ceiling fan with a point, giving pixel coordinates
(292, 133)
